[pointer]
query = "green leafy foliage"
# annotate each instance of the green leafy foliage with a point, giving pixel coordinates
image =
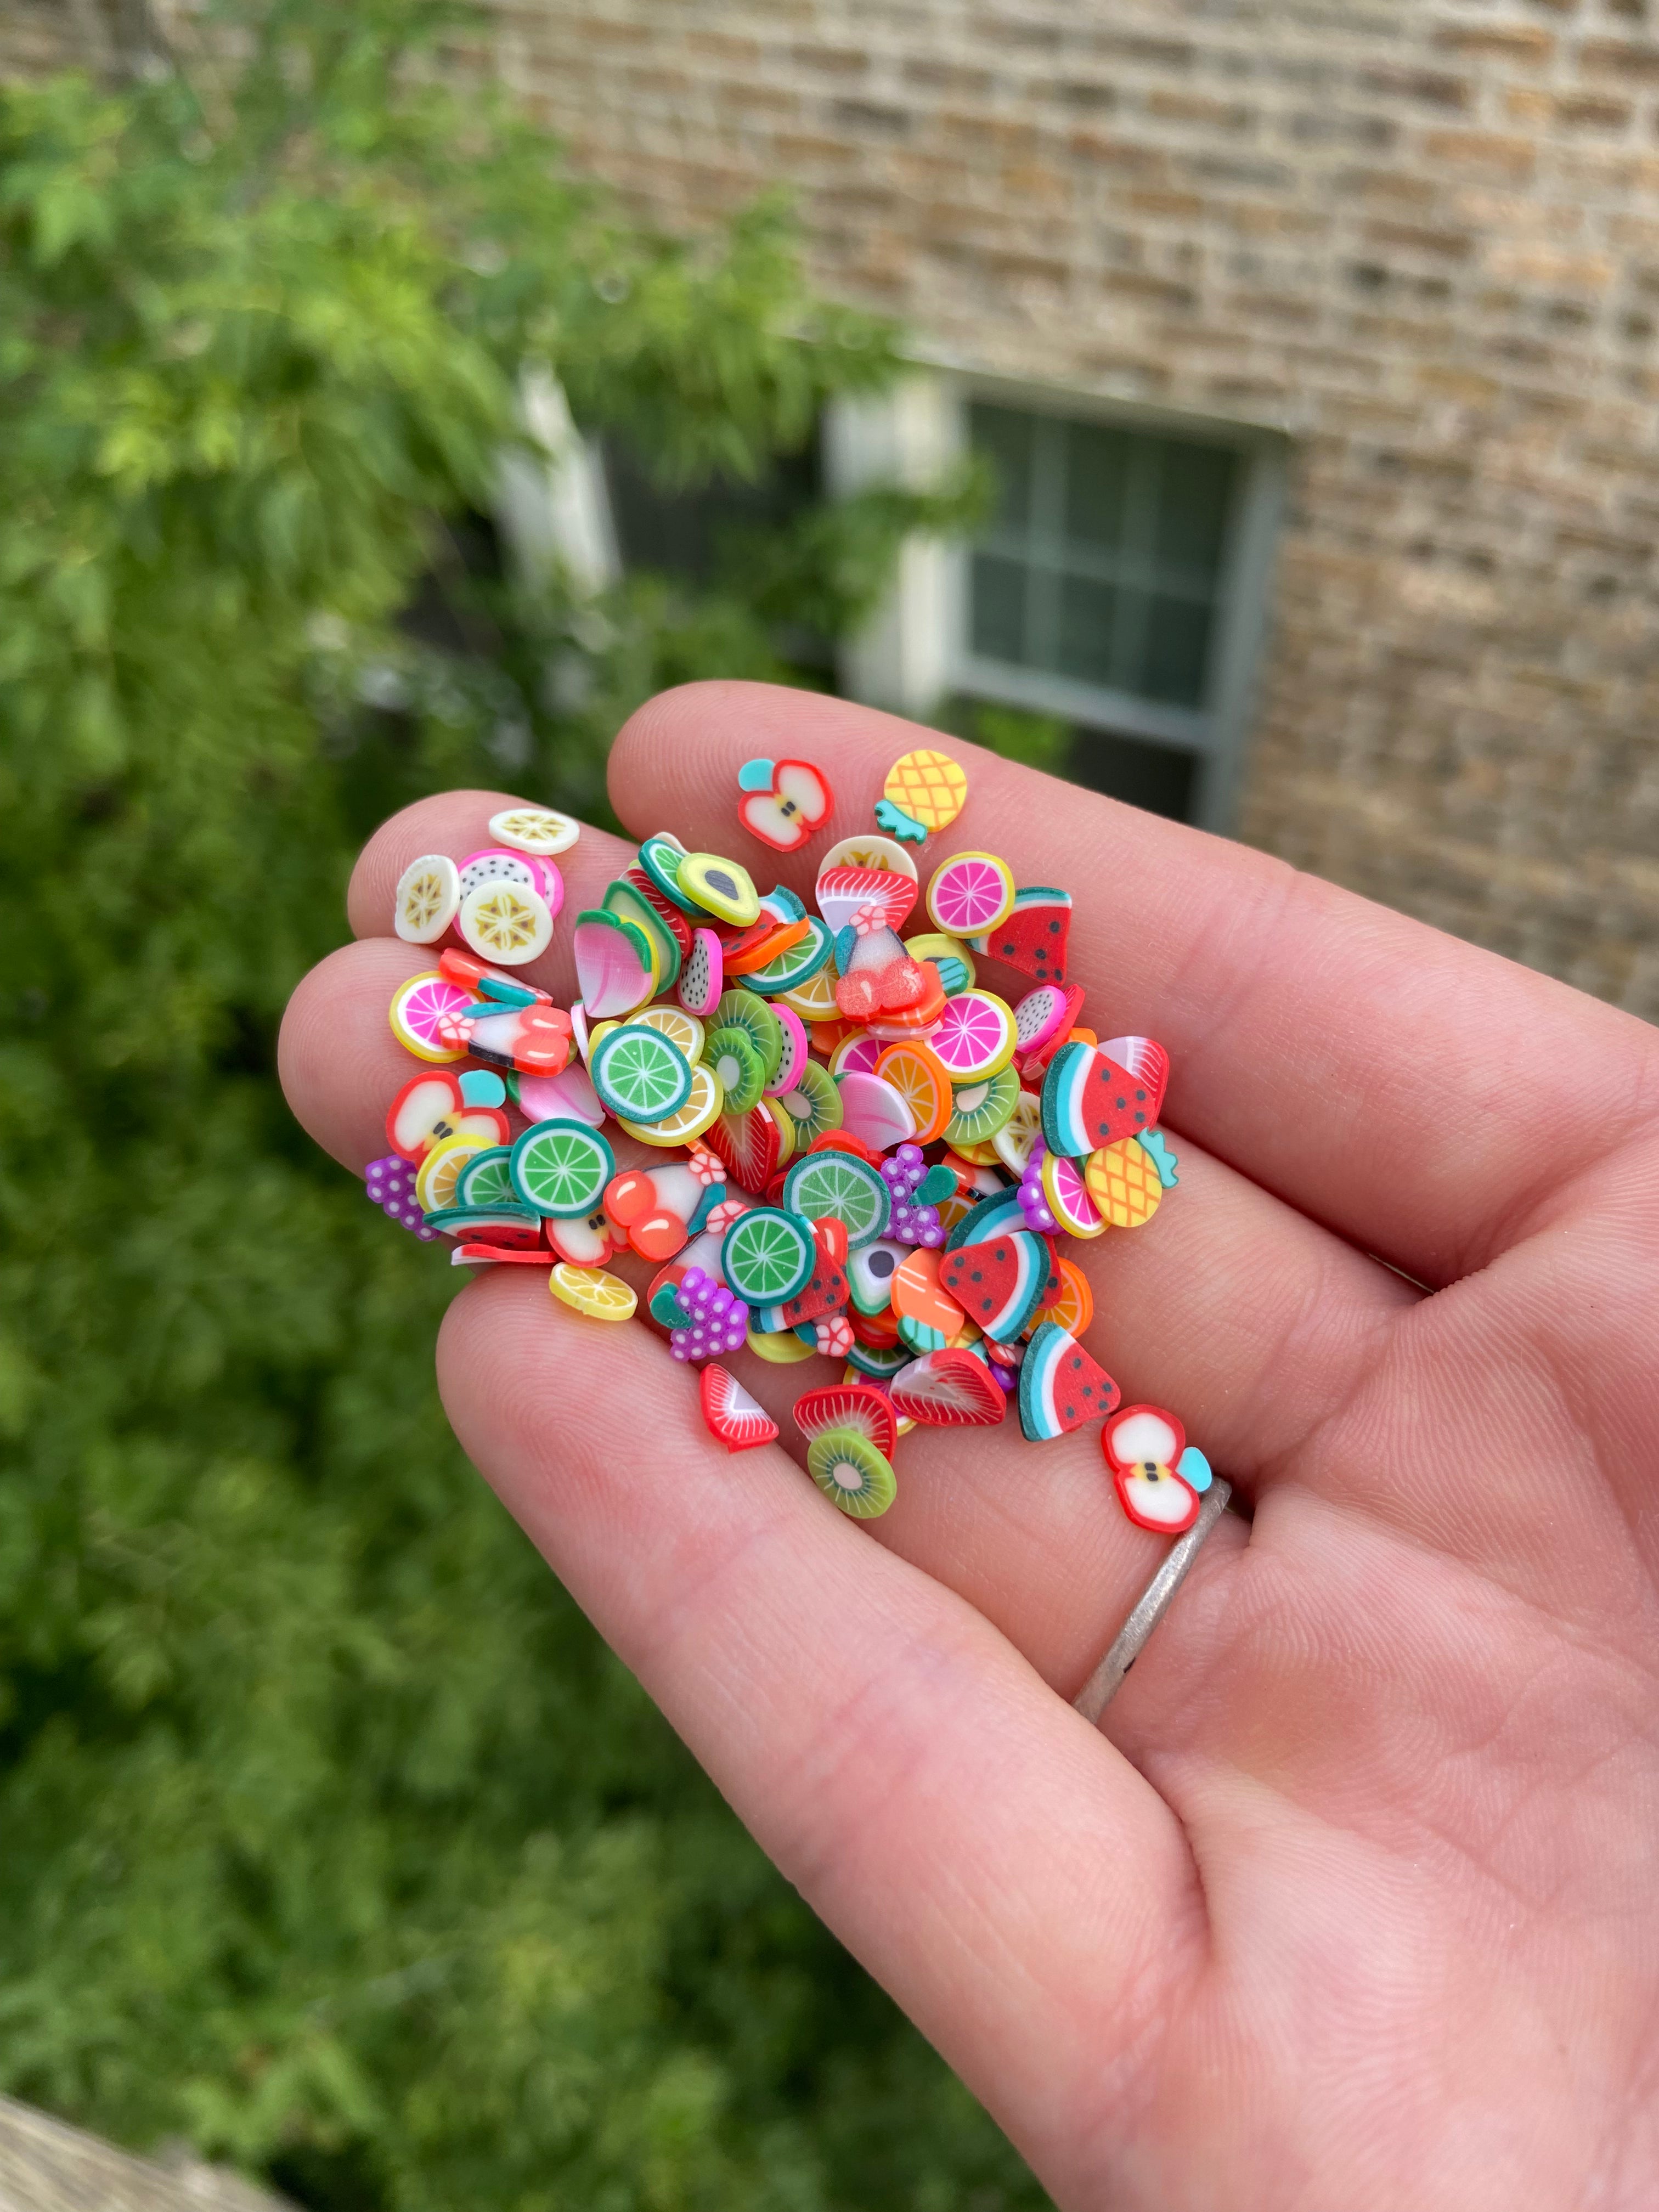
(333, 1838)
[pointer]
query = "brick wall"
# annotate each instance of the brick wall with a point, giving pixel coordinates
(1422, 238)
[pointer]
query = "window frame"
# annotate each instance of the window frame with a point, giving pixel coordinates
(1215, 733)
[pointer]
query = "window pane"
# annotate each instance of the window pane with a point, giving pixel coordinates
(1097, 471)
(1088, 614)
(1196, 484)
(1160, 778)
(1177, 644)
(1006, 438)
(999, 597)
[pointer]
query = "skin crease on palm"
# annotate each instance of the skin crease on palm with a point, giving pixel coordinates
(1354, 1901)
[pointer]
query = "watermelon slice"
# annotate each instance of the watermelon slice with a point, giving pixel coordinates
(730, 1413)
(672, 918)
(749, 1144)
(1112, 1102)
(826, 1292)
(1032, 936)
(1060, 1388)
(999, 1284)
(878, 1359)
(857, 1405)
(1146, 1060)
(1066, 1124)
(949, 1389)
(992, 1217)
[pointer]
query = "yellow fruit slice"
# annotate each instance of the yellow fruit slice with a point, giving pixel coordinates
(541, 829)
(929, 786)
(439, 1172)
(675, 1025)
(591, 1291)
(780, 1347)
(978, 1156)
(505, 923)
(701, 1109)
(1123, 1182)
(814, 1000)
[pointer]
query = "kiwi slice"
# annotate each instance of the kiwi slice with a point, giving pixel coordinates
(731, 1053)
(978, 1110)
(626, 903)
(744, 1009)
(812, 1104)
(848, 1469)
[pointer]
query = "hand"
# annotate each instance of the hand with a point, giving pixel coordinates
(1352, 1902)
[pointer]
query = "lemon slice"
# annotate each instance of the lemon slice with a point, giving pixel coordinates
(675, 1025)
(439, 1171)
(591, 1291)
(540, 829)
(700, 1110)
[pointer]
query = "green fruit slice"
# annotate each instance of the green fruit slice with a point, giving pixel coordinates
(732, 1053)
(486, 1180)
(880, 1361)
(640, 1073)
(660, 857)
(847, 1468)
(838, 1185)
(812, 1103)
(798, 965)
(742, 1010)
(562, 1168)
(768, 1255)
(978, 1110)
(626, 903)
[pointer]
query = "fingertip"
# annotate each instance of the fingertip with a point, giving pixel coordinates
(453, 821)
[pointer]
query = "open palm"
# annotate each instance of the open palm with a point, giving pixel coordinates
(1353, 1901)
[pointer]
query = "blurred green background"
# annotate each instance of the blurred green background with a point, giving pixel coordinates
(333, 1839)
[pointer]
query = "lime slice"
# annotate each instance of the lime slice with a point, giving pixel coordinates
(797, 965)
(768, 1255)
(834, 1184)
(486, 1180)
(562, 1168)
(701, 1109)
(640, 1073)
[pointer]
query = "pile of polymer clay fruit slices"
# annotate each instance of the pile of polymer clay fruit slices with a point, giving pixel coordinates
(867, 1156)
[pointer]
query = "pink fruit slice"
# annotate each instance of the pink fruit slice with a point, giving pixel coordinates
(949, 1389)
(970, 892)
(420, 1008)
(613, 964)
(567, 1095)
(874, 1112)
(785, 1076)
(1039, 1017)
(730, 1413)
(974, 1037)
(857, 1405)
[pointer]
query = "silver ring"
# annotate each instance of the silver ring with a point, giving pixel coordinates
(1101, 1686)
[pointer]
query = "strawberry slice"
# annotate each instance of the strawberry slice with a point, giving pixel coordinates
(841, 891)
(730, 1413)
(949, 1389)
(857, 1405)
(749, 1144)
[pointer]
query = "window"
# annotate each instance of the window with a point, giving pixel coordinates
(1121, 583)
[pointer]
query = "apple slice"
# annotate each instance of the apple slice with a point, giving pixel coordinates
(430, 1108)
(796, 801)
